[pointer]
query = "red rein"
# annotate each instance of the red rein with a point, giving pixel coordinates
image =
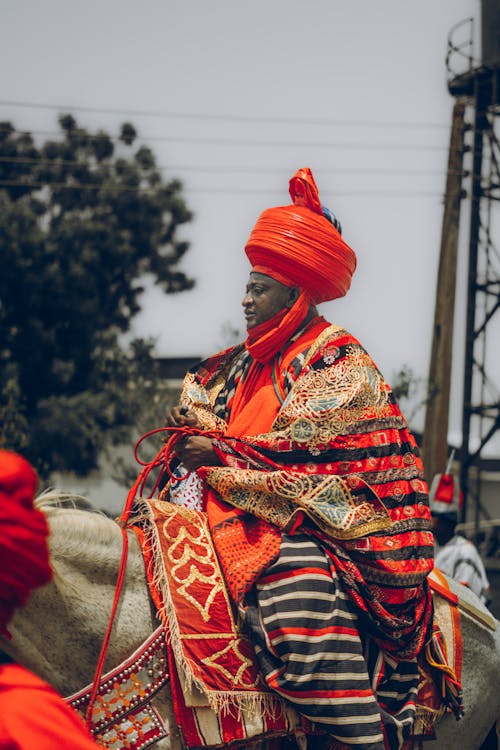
(162, 461)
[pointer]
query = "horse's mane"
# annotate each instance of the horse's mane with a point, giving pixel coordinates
(75, 522)
(52, 498)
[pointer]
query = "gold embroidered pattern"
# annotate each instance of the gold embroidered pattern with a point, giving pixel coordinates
(327, 402)
(345, 508)
(210, 651)
(218, 660)
(195, 397)
(190, 550)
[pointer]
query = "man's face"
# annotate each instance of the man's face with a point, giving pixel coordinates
(264, 298)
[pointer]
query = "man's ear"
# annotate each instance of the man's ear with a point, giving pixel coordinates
(293, 296)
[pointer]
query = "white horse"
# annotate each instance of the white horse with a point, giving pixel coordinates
(59, 633)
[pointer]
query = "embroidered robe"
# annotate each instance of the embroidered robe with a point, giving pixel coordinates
(313, 441)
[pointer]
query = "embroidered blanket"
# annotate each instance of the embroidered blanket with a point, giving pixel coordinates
(217, 691)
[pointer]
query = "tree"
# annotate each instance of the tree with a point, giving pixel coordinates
(82, 220)
(412, 391)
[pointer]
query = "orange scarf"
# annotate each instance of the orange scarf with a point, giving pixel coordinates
(259, 396)
(267, 339)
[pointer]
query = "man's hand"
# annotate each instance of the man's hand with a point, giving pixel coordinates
(196, 451)
(179, 416)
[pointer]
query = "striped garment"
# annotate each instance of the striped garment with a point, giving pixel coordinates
(308, 645)
(318, 511)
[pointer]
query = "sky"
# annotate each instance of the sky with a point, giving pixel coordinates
(233, 97)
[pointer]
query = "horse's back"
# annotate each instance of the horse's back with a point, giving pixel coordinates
(480, 676)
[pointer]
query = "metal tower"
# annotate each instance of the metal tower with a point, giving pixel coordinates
(478, 85)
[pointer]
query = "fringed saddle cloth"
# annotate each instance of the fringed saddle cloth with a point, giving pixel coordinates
(435, 669)
(218, 694)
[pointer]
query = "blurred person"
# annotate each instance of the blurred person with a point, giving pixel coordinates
(33, 716)
(455, 555)
(313, 488)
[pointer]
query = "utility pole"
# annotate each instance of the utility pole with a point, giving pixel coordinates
(435, 440)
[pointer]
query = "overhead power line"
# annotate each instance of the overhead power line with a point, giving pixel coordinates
(213, 190)
(221, 141)
(224, 170)
(224, 117)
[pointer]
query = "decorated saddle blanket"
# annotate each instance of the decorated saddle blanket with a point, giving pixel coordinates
(447, 636)
(123, 717)
(218, 693)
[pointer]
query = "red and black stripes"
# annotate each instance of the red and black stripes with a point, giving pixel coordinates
(306, 634)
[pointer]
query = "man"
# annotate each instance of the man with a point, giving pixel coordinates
(313, 488)
(32, 714)
(453, 553)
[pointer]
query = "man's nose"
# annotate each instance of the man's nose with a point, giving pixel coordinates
(247, 300)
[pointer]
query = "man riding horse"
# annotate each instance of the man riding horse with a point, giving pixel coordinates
(313, 488)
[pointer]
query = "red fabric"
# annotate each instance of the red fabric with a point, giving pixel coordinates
(34, 717)
(245, 545)
(255, 402)
(445, 489)
(205, 637)
(303, 190)
(267, 339)
(24, 556)
(231, 724)
(202, 611)
(414, 605)
(445, 495)
(298, 246)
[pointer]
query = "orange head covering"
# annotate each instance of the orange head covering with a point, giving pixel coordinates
(298, 246)
(24, 556)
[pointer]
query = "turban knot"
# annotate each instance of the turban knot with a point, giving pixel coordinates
(301, 245)
(24, 555)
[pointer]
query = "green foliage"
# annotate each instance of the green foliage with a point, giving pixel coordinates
(410, 391)
(82, 220)
(404, 383)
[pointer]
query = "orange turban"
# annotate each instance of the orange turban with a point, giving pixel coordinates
(24, 555)
(298, 246)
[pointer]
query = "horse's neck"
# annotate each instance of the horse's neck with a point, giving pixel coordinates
(60, 632)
